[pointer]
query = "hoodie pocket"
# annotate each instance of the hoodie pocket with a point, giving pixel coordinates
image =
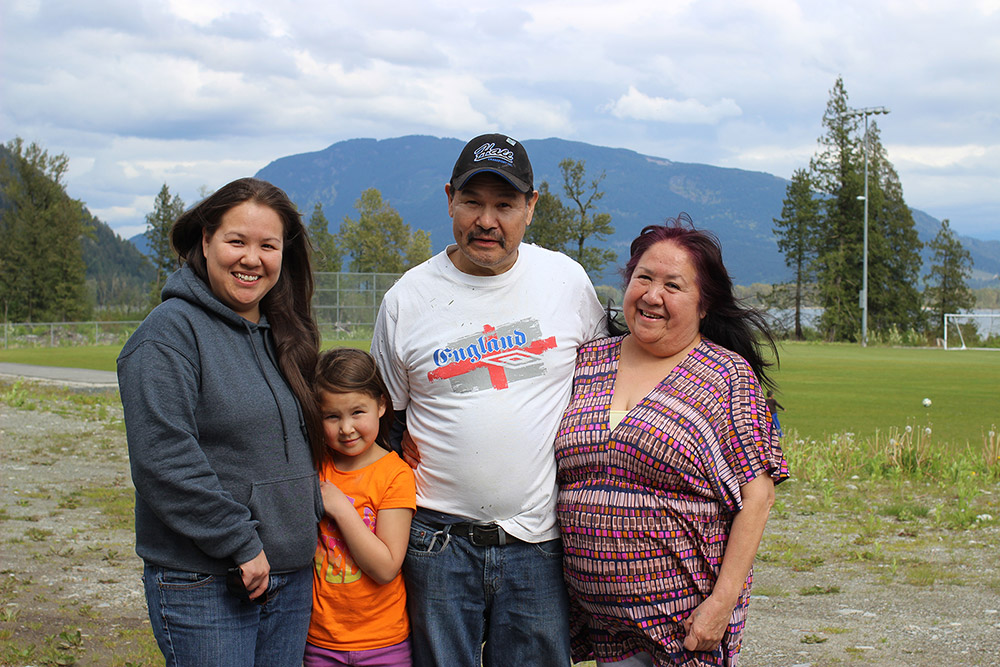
(286, 510)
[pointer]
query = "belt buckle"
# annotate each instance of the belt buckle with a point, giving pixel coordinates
(484, 535)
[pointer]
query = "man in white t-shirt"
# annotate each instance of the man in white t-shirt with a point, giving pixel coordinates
(477, 346)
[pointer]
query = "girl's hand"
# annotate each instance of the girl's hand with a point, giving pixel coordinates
(706, 625)
(334, 500)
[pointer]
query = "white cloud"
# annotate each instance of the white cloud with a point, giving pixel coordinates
(197, 92)
(638, 106)
(941, 156)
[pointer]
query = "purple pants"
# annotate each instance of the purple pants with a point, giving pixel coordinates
(397, 655)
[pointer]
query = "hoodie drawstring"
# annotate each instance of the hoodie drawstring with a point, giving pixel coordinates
(274, 395)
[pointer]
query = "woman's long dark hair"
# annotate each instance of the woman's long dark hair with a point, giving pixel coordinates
(288, 305)
(727, 321)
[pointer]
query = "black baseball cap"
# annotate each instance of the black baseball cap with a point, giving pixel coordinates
(496, 153)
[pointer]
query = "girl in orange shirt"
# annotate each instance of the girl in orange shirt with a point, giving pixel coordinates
(369, 496)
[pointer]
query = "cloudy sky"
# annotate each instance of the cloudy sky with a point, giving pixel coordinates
(195, 93)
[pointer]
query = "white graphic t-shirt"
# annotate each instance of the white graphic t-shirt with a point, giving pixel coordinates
(483, 367)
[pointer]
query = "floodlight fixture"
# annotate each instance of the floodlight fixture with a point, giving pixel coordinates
(863, 296)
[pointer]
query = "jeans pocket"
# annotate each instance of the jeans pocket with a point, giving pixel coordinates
(550, 548)
(426, 541)
(182, 580)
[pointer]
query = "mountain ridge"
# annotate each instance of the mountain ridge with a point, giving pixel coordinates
(410, 171)
(737, 205)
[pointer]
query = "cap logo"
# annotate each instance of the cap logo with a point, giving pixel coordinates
(489, 151)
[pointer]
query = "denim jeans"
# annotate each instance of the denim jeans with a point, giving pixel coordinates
(506, 604)
(197, 622)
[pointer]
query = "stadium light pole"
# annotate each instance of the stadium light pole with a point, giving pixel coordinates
(863, 297)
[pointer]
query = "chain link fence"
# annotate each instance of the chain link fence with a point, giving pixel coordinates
(345, 306)
(55, 334)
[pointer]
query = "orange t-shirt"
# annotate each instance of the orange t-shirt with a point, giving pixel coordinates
(351, 612)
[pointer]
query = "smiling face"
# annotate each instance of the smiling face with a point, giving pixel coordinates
(350, 425)
(488, 218)
(243, 257)
(662, 303)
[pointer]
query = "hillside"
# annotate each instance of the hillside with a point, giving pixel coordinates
(117, 272)
(737, 205)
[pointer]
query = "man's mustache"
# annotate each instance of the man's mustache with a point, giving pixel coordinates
(480, 233)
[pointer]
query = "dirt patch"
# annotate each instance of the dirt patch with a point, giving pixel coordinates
(850, 572)
(887, 573)
(70, 590)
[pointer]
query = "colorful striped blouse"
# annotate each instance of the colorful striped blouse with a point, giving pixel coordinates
(645, 507)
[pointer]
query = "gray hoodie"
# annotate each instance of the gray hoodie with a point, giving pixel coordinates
(217, 442)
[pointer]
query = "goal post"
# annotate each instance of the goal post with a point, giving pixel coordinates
(963, 331)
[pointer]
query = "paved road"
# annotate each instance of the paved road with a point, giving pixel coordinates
(70, 377)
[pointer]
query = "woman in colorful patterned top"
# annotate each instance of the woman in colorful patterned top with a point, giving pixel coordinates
(667, 463)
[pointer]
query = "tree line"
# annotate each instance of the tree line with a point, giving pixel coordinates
(821, 235)
(58, 262)
(377, 240)
(44, 276)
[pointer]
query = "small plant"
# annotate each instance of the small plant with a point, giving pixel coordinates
(70, 640)
(38, 534)
(928, 574)
(70, 502)
(991, 450)
(20, 653)
(62, 552)
(812, 639)
(16, 396)
(819, 590)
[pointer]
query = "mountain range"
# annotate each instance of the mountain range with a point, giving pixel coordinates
(736, 204)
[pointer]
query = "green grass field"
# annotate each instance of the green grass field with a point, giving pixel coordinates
(826, 389)
(829, 388)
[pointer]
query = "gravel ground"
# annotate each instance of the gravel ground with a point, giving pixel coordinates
(837, 580)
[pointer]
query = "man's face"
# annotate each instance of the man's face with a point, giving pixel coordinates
(489, 217)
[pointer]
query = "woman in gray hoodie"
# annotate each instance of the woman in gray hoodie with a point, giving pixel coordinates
(221, 434)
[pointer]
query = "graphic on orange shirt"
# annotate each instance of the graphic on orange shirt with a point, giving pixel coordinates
(332, 549)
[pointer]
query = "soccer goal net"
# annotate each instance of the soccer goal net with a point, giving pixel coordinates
(967, 331)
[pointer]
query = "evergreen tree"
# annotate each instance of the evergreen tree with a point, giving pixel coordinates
(893, 248)
(549, 226)
(166, 210)
(837, 173)
(582, 224)
(379, 241)
(42, 272)
(796, 230)
(326, 254)
(947, 287)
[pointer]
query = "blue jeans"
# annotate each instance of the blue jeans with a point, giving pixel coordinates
(511, 598)
(197, 622)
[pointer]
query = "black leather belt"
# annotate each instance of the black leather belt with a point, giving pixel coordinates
(480, 534)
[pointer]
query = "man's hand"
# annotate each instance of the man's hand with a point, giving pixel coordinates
(410, 453)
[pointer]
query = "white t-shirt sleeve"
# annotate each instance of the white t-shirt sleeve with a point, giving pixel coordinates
(386, 354)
